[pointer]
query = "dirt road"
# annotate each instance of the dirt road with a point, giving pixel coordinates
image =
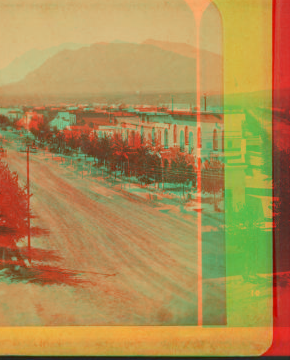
(110, 259)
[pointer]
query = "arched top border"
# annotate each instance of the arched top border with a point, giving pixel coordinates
(199, 7)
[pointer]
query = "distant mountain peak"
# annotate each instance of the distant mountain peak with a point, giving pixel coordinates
(176, 47)
(31, 60)
(109, 68)
(184, 49)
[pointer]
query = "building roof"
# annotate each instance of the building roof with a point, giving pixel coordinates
(123, 113)
(97, 121)
(56, 121)
(14, 112)
(120, 119)
(204, 118)
(63, 115)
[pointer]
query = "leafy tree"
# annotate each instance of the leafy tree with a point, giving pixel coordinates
(212, 178)
(13, 211)
(120, 153)
(94, 145)
(43, 131)
(34, 132)
(181, 172)
(191, 174)
(60, 140)
(15, 124)
(141, 162)
(4, 121)
(73, 141)
(154, 167)
(85, 143)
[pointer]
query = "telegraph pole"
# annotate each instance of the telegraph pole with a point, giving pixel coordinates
(28, 206)
(28, 194)
(204, 101)
(198, 153)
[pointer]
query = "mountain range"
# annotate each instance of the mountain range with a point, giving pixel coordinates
(30, 61)
(117, 67)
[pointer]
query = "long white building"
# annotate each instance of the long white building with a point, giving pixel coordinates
(63, 120)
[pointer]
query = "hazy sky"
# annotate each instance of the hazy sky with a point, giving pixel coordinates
(28, 24)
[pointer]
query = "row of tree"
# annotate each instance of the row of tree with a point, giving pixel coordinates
(147, 163)
(212, 178)
(141, 160)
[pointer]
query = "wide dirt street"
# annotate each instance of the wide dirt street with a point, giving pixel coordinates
(100, 257)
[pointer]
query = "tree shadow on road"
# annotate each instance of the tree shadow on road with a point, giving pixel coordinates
(42, 275)
(35, 265)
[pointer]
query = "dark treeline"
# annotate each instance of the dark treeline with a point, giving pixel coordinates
(125, 157)
(134, 158)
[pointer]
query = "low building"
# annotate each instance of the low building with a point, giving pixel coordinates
(63, 120)
(78, 130)
(12, 113)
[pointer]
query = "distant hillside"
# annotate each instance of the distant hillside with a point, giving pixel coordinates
(179, 48)
(31, 60)
(211, 64)
(116, 68)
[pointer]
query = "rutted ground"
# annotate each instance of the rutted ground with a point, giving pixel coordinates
(149, 256)
(136, 265)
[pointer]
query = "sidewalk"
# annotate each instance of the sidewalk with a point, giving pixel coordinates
(165, 200)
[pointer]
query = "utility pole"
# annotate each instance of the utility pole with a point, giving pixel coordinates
(162, 164)
(204, 101)
(172, 103)
(28, 206)
(129, 172)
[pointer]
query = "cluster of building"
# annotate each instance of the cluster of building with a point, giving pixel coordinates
(159, 126)
(154, 125)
